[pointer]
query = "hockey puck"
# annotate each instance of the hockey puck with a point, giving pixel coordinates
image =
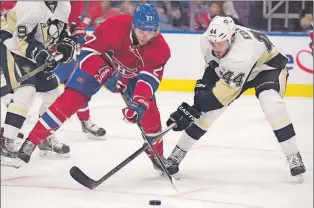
(154, 202)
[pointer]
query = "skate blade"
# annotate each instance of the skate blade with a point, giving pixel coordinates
(175, 176)
(50, 154)
(18, 163)
(298, 178)
(5, 161)
(94, 137)
(11, 162)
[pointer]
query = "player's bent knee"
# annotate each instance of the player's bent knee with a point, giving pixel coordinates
(201, 125)
(70, 101)
(23, 99)
(195, 132)
(48, 98)
(84, 83)
(63, 108)
(273, 80)
(274, 109)
(19, 107)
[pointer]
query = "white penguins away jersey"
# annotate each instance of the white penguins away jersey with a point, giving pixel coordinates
(35, 20)
(251, 53)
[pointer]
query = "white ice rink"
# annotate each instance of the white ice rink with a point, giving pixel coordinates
(237, 164)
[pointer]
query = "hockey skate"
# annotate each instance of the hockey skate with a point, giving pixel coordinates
(172, 169)
(9, 149)
(175, 158)
(52, 146)
(25, 153)
(297, 167)
(92, 130)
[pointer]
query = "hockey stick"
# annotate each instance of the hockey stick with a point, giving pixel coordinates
(32, 73)
(19, 80)
(162, 165)
(78, 175)
(54, 56)
(150, 144)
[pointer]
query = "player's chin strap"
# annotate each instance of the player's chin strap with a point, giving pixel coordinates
(149, 142)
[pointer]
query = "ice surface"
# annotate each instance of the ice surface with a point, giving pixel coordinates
(237, 164)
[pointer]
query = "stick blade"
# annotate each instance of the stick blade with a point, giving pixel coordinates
(82, 178)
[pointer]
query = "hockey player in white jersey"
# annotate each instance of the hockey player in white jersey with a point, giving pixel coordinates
(237, 58)
(35, 31)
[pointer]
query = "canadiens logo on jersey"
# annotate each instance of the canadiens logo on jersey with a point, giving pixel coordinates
(51, 31)
(125, 71)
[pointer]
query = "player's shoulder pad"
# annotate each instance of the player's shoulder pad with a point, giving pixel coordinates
(29, 11)
(158, 51)
(22, 6)
(239, 56)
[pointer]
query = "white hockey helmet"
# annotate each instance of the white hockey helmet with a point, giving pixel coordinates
(220, 29)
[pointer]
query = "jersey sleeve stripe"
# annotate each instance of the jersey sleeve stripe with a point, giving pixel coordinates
(84, 57)
(90, 50)
(150, 75)
(48, 121)
(151, 81)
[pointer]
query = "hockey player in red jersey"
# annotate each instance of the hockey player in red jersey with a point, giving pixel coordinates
(77, 9)
(75, 20)
(64, 71)
(125, 53)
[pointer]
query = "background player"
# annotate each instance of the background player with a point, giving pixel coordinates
(237, 58)
(126, 53)
(26, 46)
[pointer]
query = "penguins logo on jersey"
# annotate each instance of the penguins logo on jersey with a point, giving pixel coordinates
(51, 31)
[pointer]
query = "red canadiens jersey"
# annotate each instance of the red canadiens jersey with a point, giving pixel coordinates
(77, 8)
(113, 41)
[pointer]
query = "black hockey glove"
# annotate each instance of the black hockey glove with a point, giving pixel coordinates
(66, 46)
(183, 117)
(43, 56)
